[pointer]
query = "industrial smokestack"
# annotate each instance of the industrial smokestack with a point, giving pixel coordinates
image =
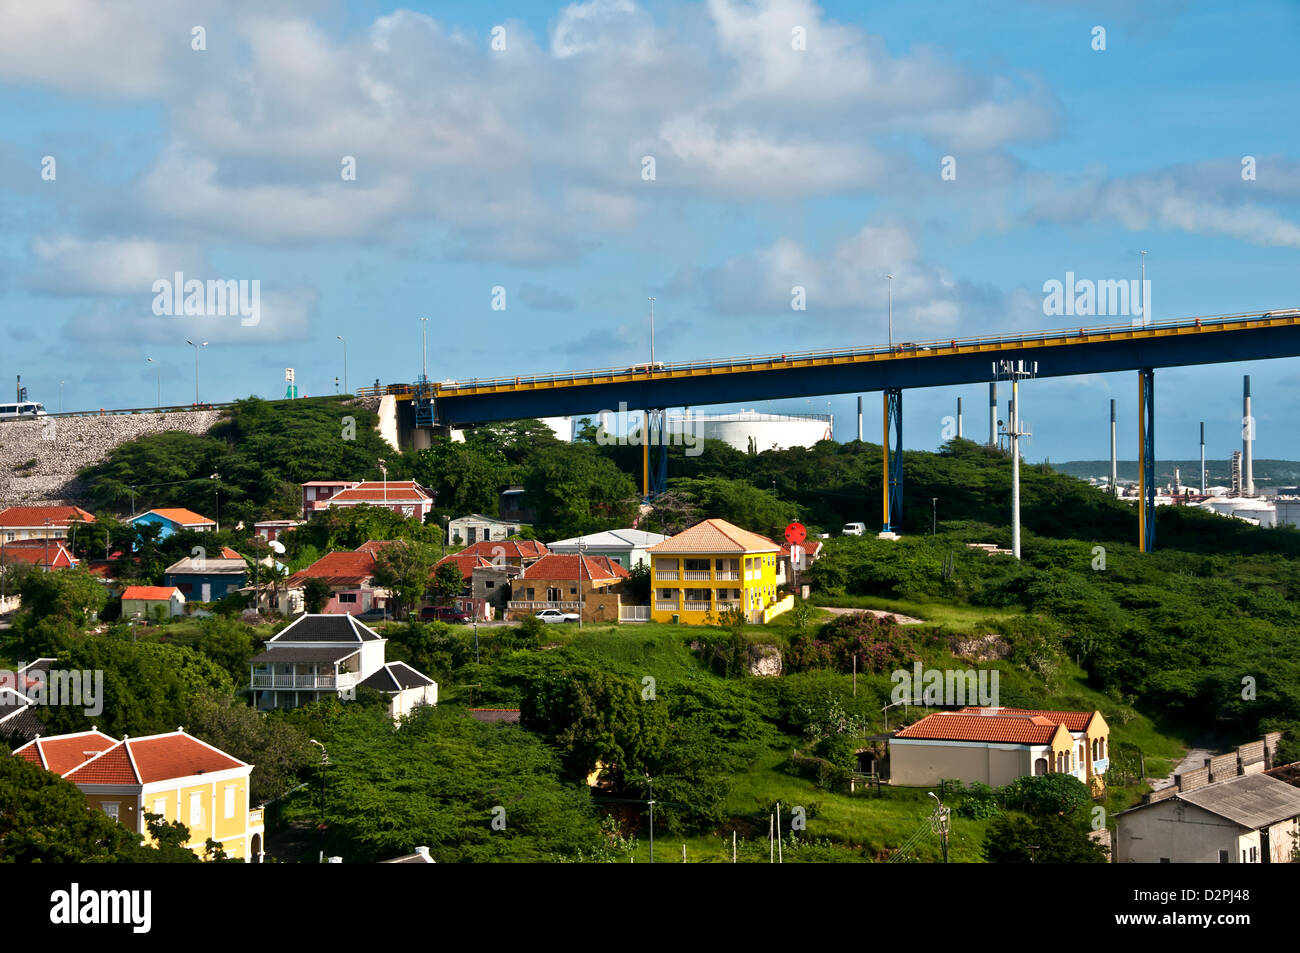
(1114, 466)
(959, 418)
(1247, 439)
(859, 418)
(1202, 458)
(993, 414)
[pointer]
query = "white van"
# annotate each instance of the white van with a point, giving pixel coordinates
(853, 529)
(25, 409)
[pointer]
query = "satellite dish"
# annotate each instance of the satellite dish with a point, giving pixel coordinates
(277, 546)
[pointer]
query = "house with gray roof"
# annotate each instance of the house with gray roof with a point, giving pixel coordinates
(324, 654)
(1250, 819)
(627, 547)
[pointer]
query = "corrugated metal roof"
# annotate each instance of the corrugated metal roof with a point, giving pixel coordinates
(1253, 801)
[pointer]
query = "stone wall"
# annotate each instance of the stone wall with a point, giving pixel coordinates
(60, 446)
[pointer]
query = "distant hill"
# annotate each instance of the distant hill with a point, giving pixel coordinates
(1217, 472)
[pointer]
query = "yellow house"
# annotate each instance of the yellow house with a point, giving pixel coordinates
(711, 568)
(174, 775)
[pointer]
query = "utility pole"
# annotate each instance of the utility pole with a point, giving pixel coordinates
(934, 514)
(345, 363)
(158, 368)
(196, 366)
(651, 783)
(939, 823)
(582, 562)
(324, 760)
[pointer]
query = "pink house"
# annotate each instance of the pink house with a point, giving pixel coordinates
(405, 497)
(316, 493)
(348, 573)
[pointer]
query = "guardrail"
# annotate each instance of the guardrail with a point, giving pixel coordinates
(907, 349)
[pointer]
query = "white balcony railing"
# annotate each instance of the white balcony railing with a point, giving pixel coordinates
(723, 606)
(663, 606)
(697, 574)
(319, 683)
(727, 574)
(666, 574)
(525, 604)
(633, 613)
(698, 606)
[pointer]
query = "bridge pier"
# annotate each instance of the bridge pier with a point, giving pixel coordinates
(892, 482)
(654, 481)
(1146, 459)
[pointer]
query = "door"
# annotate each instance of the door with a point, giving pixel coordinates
(207, 592)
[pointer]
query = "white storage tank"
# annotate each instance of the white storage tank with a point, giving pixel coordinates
(750, 429)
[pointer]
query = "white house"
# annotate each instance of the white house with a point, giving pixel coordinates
(1249, 819)
(331, 654)
(627, 547)
(468, 530)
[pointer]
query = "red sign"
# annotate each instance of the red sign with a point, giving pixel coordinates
(795, 533)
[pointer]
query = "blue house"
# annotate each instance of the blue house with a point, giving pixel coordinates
(208, 578)
(172, 520)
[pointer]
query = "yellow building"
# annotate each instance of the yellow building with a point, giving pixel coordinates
(711, 568)
(175, 775)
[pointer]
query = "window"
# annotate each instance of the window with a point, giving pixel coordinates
(347, 598)
(110, 808)
(1164, 860)
(1224, 857)
(573, 590)
(489, 584)
(160, 807)
(1254, 855)
(196, 811)
(230, 801)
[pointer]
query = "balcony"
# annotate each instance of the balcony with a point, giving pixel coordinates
(663, 606)
(698, 606)
(697, 574)
(255, 817)
(666, 574)
(536, 606)
(309, 683)
(727, 574)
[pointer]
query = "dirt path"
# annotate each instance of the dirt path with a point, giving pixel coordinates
(1204, 747)
(878, 613)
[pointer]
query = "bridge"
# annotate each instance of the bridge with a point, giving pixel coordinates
(1144, 347)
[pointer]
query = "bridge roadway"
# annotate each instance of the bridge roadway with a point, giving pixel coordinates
(1213, 339)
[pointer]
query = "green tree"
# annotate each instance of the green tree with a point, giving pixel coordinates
(71, 594)
(1050, 839)
(577, 491)
(446, 583)
(278, 750)
(403, 569)
(315, 593)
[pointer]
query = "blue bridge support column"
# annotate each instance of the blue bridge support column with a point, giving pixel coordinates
(892, 482)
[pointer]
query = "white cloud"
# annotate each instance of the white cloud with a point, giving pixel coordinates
(66, 265)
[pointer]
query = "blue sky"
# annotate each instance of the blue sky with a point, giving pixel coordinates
(522, 168)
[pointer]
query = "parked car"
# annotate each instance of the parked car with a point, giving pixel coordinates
(374, 615)
(853, 529)
(555, 615)
(444, 614)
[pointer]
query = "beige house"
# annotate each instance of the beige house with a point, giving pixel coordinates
(1249, 819)
(997, 745)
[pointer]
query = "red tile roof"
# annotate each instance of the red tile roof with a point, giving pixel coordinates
(811, 547)
(563, 566)
(228, 553)
(61, 753)
(1073, 720)
(968, 726)
(58, 554)
(507, 549)
(344, 568)
(33, 516)
(182, 516)
(95, 758)
(376, 546)
(162, 593)
(465, 562)
(397, 491)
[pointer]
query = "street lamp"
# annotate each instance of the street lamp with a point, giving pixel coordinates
(158, 368)
(324, 760)
(934, 514)
(383, 468)
(582, 561)
(345, 363)
(216, 495)
(652, 335)
(891, 311)
(424, 350)
(60, 396)
(196, 366)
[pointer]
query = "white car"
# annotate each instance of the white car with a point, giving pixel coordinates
(853, 529)
(555, 615)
